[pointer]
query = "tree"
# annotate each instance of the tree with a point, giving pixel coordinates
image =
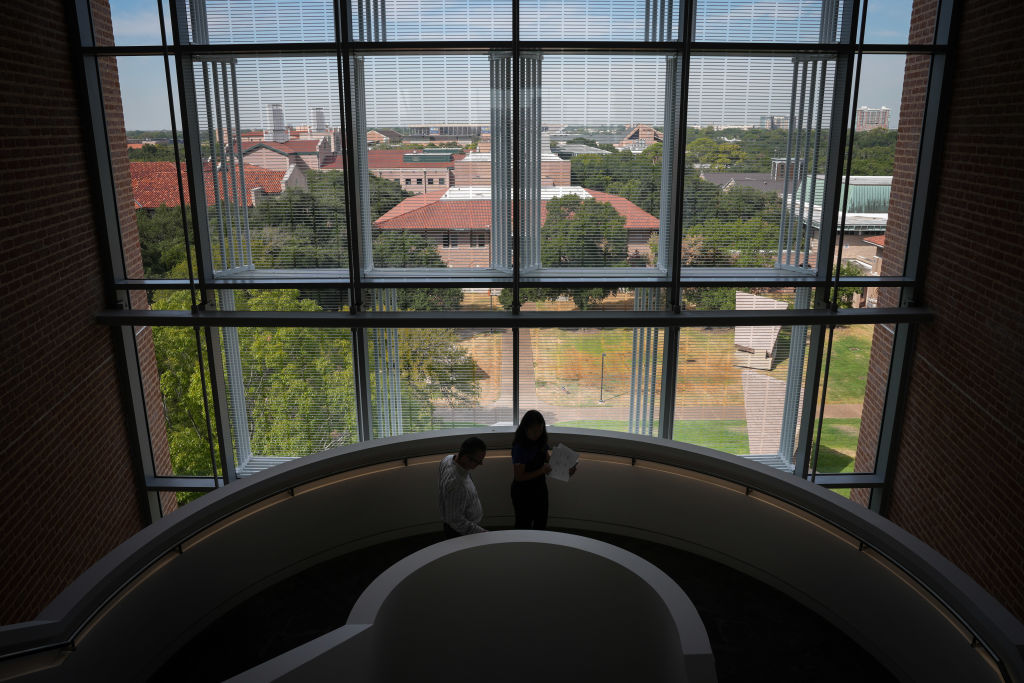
(188, 438)
(435, 368)
(702, 151)
(401, 249)
(298, 384)
(305, 228)
(582, 233)
(592, 143)
(161, 239)
(151, 152)
(637, 177)
(844, 297)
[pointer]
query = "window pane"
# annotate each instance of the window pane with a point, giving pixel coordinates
(181, 424)
(423, 132)
(748, 110)
(310, 299)
(593, 378)
(128, 22)
(588, 299)
(290, 390)
(600, 204)
(148, 185)
(788, 21)
(284, 207)
(886, 130)
(890, 21)
(424, 379)
(739, 389)
(851, 423)
(611, 20)
(259, 21)
(437, 299)
(432, 20)
(745, 298)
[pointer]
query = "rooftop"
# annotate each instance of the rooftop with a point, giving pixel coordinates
(469, 208)
(155, 183)
(290, 147)
(757, 181)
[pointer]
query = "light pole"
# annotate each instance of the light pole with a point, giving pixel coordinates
(601, 399)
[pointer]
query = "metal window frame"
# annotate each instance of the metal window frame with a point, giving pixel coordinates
(356, 278)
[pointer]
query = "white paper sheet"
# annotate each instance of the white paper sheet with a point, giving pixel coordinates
(562, 460)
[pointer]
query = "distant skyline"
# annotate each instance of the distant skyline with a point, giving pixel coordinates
(593, 90)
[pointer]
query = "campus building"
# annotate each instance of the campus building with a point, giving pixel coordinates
(639, 138)
(95, 533)
(868, 118)
(155, 183)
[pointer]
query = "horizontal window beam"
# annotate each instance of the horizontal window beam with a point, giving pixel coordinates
(424, 282)
(483, 46)
(180, 483)
(430, 319)
(833, 481)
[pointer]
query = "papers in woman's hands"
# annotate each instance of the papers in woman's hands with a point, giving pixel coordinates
(562, 460)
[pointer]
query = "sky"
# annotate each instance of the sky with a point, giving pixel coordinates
(596, 90)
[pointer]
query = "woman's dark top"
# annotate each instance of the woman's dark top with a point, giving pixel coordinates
(533, 454)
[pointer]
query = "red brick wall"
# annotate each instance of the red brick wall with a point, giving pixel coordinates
(68, 493)
(958, 478)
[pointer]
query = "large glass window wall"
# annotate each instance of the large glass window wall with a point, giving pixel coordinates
(420, 215)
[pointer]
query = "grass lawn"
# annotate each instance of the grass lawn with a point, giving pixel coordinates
(848, 369)
(486, 349)
(723, 435)
(838, 447)
(568, 367)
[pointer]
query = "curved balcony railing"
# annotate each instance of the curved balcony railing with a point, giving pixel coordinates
(920, 616)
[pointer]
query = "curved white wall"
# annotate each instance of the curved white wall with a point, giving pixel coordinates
(510, 606)
(220, 550)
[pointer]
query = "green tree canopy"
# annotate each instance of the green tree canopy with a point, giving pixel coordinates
(162, 240)
(401, 249)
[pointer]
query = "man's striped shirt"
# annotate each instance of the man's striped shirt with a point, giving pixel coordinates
(457, 497)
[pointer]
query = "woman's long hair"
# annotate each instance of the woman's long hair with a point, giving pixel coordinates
(530, 418)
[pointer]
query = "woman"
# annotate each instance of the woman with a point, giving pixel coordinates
(530, 455)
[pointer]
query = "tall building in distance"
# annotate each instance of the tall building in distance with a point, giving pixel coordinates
(319, 120)
(868, 118)
(275, 129)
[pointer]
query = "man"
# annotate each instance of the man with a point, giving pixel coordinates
(461, 511)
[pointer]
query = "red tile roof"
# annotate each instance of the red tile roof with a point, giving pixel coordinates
(290, 147)
(429, 212)
(636, 218)
(155, 183)
(877, 240)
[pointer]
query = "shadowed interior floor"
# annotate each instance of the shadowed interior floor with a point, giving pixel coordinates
(756, 632)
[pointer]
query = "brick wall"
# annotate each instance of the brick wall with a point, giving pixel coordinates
(67, 494)
(958, 478)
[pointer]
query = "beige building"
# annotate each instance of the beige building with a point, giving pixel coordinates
(279, 156)
(416, 171)
(458, 221)
(475, 168)
(639, 138)
(382, 135)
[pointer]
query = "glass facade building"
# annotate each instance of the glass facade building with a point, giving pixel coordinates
(311, 302)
